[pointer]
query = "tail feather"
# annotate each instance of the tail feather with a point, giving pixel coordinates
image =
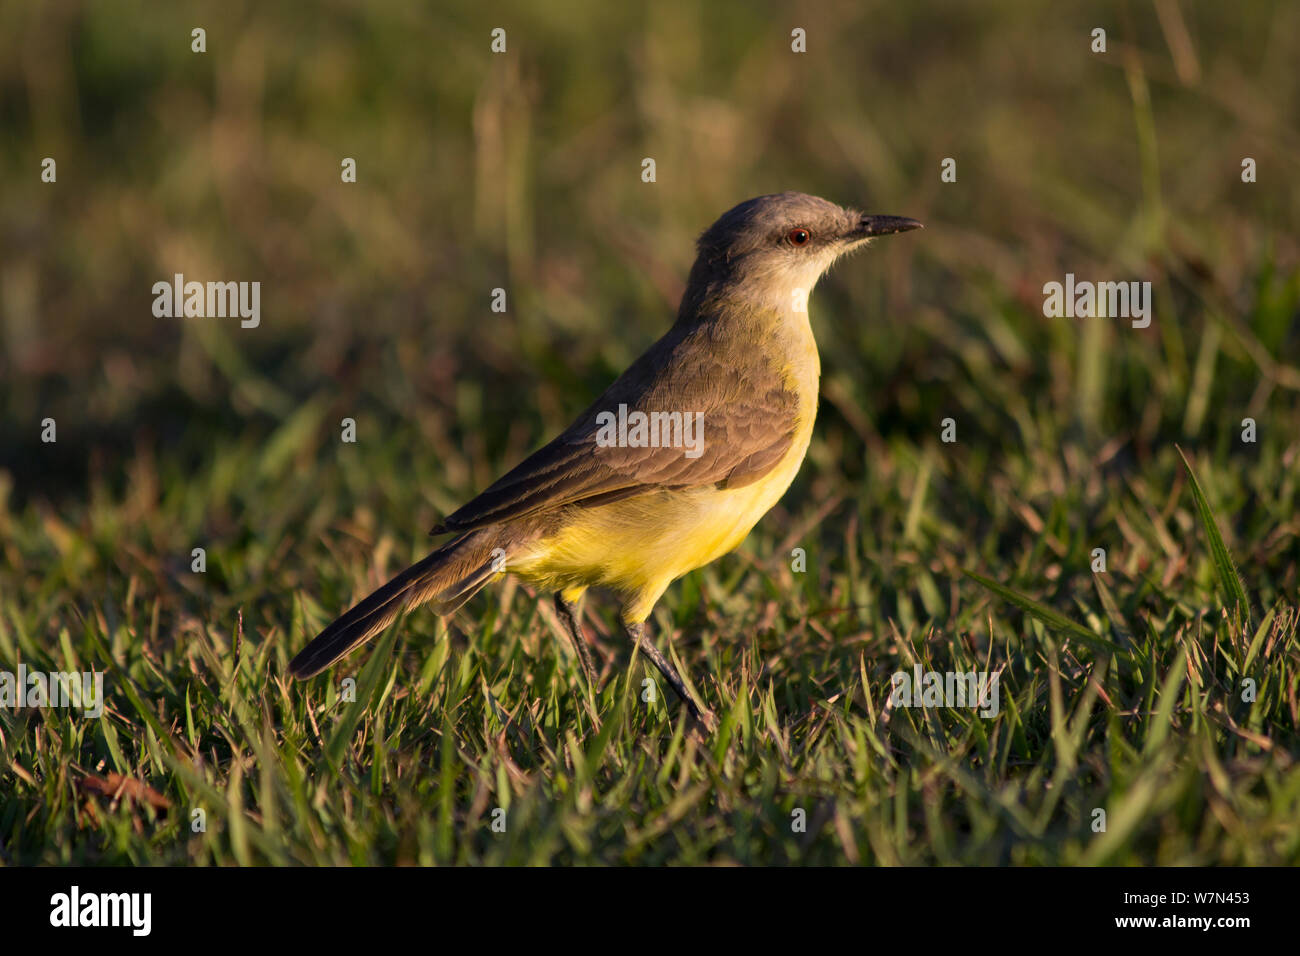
(449, 577)
(450, 599)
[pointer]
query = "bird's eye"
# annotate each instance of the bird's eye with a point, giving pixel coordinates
(798, 237)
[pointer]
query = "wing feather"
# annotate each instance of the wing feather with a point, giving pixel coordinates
(749, 420)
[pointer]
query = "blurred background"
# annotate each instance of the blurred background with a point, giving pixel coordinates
(523, 171)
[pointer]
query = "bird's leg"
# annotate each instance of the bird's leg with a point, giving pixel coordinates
(636, 632)
(567, 612)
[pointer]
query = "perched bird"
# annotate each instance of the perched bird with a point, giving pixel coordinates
(672, 466)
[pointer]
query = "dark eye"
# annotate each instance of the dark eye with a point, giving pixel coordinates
(798, 237)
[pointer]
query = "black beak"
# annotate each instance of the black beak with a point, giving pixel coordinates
(870, 226)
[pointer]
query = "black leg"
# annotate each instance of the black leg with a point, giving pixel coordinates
(568, 615)
(636, 632)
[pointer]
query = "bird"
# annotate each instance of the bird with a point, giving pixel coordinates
(672, 466)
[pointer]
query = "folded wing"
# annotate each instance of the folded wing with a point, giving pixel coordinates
(748, 417)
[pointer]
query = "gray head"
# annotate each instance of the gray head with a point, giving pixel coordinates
(772, 243)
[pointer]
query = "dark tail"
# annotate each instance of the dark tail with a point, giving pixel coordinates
(449, 577)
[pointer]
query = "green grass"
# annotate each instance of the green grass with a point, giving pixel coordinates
(1123, 690)
(451, 722)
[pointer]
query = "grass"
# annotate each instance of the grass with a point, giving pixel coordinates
(1162, 690)
(451, 722)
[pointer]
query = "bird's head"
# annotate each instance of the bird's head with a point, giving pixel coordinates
(771, 245)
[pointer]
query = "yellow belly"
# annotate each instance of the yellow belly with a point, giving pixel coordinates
(638, 546)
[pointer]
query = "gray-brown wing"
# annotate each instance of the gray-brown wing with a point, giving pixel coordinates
(747, 414)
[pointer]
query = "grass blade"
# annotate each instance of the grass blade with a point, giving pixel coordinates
(1052, 619)
(1224, 567)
